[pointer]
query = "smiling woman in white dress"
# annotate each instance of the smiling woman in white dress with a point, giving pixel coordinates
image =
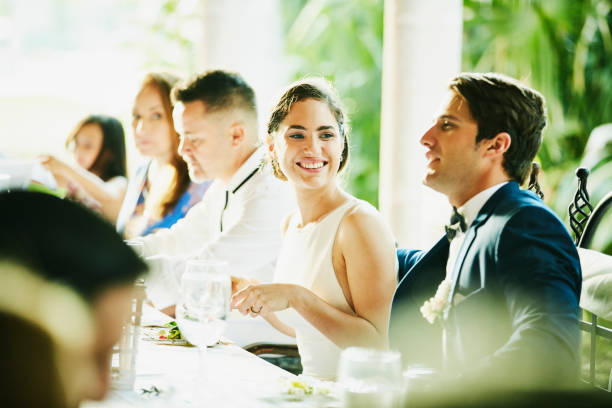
(335, 275)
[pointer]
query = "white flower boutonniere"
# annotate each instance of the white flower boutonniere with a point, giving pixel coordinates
(433, 308)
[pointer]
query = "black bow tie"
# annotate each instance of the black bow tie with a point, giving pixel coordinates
(457, 222)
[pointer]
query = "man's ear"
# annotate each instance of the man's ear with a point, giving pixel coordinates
(498, 145)
(237, 132)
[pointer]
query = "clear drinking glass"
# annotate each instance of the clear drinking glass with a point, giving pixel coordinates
(418, 380)
(370, 378)
(202, 310)
(163, 282)
(136, 245)
(5, 182)
(123, 363)
(204, 301)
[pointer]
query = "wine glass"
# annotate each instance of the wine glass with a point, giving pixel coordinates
(204, 301)
(203, 307)
(370, 378)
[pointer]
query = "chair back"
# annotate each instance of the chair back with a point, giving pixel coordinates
(580, 208)
(585, 221)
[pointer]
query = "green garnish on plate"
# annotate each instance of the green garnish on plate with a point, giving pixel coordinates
(174, 332)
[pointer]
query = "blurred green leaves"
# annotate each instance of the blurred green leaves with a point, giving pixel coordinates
(558, 47)
(563, 49)
(342, 41)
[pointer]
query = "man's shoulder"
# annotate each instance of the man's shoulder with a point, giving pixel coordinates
(519, 213)
(523, 217)
(264, 182)
(511, 202)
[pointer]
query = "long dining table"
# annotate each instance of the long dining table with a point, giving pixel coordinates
(225, 376)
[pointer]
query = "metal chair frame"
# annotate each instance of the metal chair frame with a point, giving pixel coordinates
(285, 356)
(584, 221)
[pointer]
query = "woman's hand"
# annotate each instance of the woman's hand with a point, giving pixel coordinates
(265, 298)
(57, 167)
(239, 283)
(52, 163)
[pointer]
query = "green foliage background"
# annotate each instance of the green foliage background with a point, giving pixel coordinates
(562, 48)
(342, 41)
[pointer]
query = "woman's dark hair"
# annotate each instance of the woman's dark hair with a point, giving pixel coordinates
(110, 161)
(163, 82)
(65, 242)
(310, 88)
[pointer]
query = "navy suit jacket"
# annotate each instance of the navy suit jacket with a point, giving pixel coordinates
(513, 315)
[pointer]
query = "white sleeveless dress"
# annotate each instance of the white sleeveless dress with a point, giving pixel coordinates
(306, 260)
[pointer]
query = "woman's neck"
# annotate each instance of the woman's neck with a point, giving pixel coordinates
(162, 159)
(156, 166)
(314, 204)
(160, 173)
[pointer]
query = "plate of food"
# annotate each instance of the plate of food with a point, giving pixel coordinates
(167, 334)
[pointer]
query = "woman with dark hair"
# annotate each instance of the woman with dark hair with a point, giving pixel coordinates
(335, 274)
(105, 157)
(98, 145)
(161, 192)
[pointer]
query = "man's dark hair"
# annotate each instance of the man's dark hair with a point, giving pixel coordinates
(65, 242)
(219, 90)
(501, 104)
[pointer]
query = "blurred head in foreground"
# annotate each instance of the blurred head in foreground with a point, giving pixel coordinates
(64, 243)
(46, 350)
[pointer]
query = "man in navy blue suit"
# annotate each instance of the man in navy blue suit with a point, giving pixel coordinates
(496, 300)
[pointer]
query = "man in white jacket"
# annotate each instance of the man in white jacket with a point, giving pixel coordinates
(238, 220)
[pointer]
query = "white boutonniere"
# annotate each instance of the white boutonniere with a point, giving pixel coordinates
(435, 307)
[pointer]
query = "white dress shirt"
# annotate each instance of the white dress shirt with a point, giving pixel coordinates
(238, 222)
(469, 210)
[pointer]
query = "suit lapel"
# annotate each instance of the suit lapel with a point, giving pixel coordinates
(483, 215)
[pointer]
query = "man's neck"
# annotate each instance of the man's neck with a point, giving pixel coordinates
(240, 159)
(459, 198)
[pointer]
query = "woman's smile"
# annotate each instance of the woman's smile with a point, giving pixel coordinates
(312, 165)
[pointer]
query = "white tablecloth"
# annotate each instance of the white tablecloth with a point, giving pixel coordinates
(234, 378)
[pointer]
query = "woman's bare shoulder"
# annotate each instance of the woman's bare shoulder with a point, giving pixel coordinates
(285, 222)
(363, 222)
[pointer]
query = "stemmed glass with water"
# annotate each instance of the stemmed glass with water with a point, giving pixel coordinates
(204, 303)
